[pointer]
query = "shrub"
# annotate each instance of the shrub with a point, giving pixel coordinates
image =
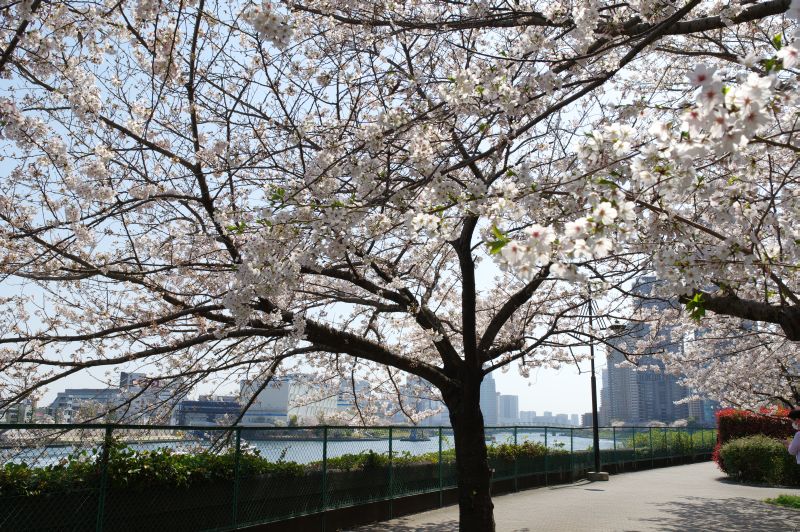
(758, 458)
(733, 423)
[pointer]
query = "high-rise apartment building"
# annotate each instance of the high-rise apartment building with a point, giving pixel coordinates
(509, 409)
(637, 397)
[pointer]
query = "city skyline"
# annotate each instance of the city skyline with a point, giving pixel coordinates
(562, 390)
(503, 386)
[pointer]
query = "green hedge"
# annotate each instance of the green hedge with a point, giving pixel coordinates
(678, 442)
(143, 469)
(136, 470)
(759, 458)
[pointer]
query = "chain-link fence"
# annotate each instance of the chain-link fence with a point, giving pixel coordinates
(118, 478)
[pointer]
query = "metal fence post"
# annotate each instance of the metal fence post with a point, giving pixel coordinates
(546, 452)
(391, 477)
(691, 443)
(702, 440)
(101, 499)
(236, 477)
(516, 460)
(666, 445)
(633, 440)
(652, 462)
(324, 472)
(614, 437)
(441, 480)
(571, 454)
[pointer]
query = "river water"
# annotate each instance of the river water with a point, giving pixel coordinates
(306, 451)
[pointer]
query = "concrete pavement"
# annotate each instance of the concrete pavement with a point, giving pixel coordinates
(695, 497)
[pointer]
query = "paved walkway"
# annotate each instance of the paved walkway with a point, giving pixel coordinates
(694, 497)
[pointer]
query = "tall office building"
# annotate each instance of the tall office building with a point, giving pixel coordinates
(605, 400)
(489, 401)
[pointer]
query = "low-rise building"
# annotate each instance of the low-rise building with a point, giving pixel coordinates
(74, 405)
(21, 412)
(208, 411)
(290, 398)
(144, 399)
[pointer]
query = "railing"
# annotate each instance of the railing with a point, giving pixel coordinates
(133, 477)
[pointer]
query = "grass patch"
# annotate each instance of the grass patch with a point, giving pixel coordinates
(789, 501)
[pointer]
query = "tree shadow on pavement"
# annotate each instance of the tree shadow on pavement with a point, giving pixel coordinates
(738, 513)
(403, 525)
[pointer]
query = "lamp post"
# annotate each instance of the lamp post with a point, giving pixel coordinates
(597, 474)
(595, 420)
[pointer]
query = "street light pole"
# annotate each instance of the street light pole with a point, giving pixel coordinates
(596, 422)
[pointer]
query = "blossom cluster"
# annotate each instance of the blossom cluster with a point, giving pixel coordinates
(17, 127)
(271, 25)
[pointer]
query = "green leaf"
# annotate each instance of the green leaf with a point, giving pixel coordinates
(696, 307)
(777, 41)
(772, 64)
(495, 246)
(278, 194)
(238, 228)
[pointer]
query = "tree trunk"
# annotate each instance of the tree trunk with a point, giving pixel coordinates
(475, 507)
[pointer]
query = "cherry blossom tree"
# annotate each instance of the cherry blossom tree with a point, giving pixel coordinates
(760, 368)
(383, 189)
(738, 363)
